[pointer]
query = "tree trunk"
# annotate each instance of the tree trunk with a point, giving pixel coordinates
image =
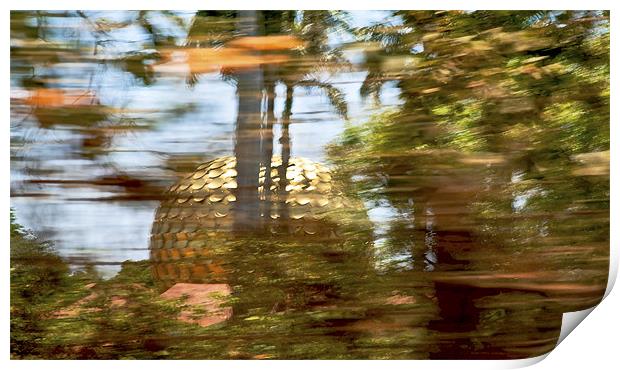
(285, 141)
(267, 145)
(248, 141)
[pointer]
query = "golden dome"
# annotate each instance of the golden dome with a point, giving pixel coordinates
(193, 225)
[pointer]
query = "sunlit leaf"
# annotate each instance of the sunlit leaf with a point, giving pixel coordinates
(264, 43)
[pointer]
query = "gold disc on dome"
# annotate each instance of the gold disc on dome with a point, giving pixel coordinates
(231, 172)
(199, 174)
(199, 184)
(215, 183)
(215, 173)
(303, 199)
(218, 163)
(231, 164)
(216, 197)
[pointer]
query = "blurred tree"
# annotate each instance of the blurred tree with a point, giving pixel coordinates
(498, 157)
(522, 92)
(260, 35)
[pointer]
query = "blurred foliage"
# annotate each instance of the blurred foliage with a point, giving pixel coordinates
(294, 45)
(60, 59)
(40, 284)
(63, 61)
(497, 161)
(58, 314)
(500, 106)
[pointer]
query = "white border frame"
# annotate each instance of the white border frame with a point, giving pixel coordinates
(594, 343)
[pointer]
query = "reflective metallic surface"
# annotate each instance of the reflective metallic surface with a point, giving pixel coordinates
(196, 216)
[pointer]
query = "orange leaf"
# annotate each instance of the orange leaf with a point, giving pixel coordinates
(58, 98)
(264, 43)
(206, 60)
(46, 98)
